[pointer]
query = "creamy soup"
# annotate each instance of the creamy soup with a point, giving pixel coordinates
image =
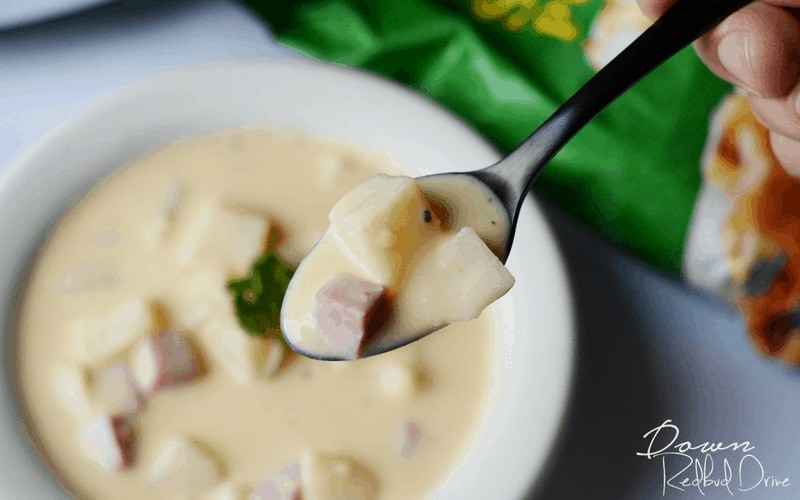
(139, 382)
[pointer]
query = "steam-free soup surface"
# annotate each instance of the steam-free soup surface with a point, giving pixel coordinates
(147, 235)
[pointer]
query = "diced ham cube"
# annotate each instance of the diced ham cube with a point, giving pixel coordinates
(408, 438)
(101, 337)
(336, 477)
(115, 391)
(349, 313)
(162, 361)
(71, 385)
(246, 357)
(285, 484)
(229, 237)
(109, 442)
(182, 467)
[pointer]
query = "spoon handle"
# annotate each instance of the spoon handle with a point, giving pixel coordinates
(686, 21)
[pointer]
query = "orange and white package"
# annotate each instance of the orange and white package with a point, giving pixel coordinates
(744, 240)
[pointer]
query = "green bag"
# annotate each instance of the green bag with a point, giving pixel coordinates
(504, 66)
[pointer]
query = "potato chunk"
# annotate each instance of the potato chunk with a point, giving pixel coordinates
(71, 384)
(203, 297)
(101, 337)
(381, 223)
(227, 491)
(229, 237)
(182, 467)
(244, 356)
(469, 278)
(336, 477)
(402, 378)
(115, 391)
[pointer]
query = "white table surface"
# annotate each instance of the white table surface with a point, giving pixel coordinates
(649, 349)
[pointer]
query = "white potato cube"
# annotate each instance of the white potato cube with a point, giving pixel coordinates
(162, 361)
(108, 441)
(228, 237)
(227, 491)
(381, 223)
(470, 277)
(115, 392)
(203, 297)
(101, 337)
(182, 467)
(284, 484)
(244, 356)
(399, 378)
(328, 476)
(71, 385)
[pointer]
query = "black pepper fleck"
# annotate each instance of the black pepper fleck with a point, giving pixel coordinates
(427, 215)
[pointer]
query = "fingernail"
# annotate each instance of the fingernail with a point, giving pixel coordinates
(732, 51)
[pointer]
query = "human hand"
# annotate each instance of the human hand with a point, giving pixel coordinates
(758, 50)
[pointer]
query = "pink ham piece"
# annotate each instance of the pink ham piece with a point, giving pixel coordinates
(349, 313)
(282, 485)
(162, 361)
(109, 442)
(408, 436)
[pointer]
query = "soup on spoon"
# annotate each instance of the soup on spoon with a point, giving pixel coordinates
(394, 265)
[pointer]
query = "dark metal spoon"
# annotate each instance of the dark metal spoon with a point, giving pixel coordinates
(501, 188)
(509, 180)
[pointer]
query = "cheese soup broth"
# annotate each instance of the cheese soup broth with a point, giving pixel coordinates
(123, 242)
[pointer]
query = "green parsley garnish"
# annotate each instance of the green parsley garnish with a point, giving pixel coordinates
(257, 298)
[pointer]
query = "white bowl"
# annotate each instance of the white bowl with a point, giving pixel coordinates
(535, 352)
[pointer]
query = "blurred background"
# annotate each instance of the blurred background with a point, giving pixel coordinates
(621, 199)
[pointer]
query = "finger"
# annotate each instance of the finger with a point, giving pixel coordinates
(782, 117)
(656, 8)
(757, 48)
(778, 114)
(787, 151)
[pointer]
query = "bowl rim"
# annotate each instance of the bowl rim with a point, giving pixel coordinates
(16, 181)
